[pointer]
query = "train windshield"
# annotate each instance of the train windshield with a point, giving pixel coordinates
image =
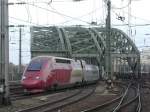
(35, 65)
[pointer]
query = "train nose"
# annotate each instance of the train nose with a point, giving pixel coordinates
(33, 84)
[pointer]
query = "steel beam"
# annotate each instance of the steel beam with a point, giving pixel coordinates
(61, 38)
(124, 55)
(96, 43)
(99, 36)
(85, 55)
(67, 41)
(82, 49)
(81, 43)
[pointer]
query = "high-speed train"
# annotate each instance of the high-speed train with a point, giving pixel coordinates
(44, 72)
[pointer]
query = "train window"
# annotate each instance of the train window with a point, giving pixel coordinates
(35, 65)
(62, 61)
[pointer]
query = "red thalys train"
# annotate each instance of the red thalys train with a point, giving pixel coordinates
(45, 72)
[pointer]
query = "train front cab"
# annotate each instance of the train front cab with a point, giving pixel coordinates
(34, 76)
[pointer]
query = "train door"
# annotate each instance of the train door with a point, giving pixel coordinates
(83, 64)
(76, 74)
(50, 73)
(53, 78)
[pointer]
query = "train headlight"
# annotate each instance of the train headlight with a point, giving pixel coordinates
(1, 88)
(24, 77)
(37, 77)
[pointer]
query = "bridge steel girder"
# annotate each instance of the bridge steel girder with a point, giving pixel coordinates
(47, 40)
(82, 43)
(129, 48)
(60, 37)
(66, 39)
(86, 43)
(122, 44)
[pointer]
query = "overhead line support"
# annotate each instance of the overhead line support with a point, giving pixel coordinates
(4, 53)
(108, 42)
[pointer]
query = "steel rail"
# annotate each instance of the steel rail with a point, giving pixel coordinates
(73, 100)
(49, 106)
(19, 95)
(139, 107)
(122, 99)
(104, 104)
(120, 105)
(23, 95)
(49, 103)
(136, 98)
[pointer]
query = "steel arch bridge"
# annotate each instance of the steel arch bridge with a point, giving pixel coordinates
(88, 44)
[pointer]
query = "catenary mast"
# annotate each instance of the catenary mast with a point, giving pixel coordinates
(4, 52)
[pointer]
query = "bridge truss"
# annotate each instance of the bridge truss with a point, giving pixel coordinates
(88, 44)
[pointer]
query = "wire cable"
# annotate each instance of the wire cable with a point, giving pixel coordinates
(28, 12)
(18, 19)
(122, 6)
(105, 1)
(53, 11)
(81, 16)
(56, 12)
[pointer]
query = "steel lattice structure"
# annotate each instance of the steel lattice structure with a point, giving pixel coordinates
(84, 43)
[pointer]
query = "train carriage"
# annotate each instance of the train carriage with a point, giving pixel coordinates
(45, 72)
(77, 72)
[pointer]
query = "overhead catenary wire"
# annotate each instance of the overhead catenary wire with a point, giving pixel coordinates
(132, 25)
(28, 12)
(21, 50)
(48, 1)
(30, 3)
(103, 10)
(26, 21)
(72, 18)
(89, 13)
(59, 13)
(147, 22)
(52, 11)
(126, 6)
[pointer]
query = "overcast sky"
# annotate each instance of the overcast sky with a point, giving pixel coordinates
(66, 12)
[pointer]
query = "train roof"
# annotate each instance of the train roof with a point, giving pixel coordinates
(48, 57)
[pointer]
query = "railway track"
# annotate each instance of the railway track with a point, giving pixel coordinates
(56, 104)
(22, 95)
(132, 103)
(145, 97)
(19, 95)
(15, 87)
(16, 90)
(129, 99)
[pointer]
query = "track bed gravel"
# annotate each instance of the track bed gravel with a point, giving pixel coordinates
(35, 101)
(145, 99)
(100, 96)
